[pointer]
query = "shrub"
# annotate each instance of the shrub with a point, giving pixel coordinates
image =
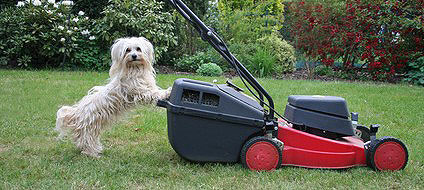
(7, 3)
(383, 34)
(209, 69)
(416, 74)
(123, 18)
(245, 21)
(284, 53)
(41, 33)
(91, 8)
(323, 70)
(190, 63)
(261, 63)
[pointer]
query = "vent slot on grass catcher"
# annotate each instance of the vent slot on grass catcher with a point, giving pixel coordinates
(190, 96)
(210, 99)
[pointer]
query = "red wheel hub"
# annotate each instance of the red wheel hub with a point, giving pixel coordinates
(390, 156)
(262, 156)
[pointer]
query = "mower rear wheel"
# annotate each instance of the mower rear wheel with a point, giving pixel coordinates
(261, 153)
(363, 132)
(388, 153)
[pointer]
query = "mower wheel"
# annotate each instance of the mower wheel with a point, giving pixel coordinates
(261, 153)
(363, 132)
(387, 153)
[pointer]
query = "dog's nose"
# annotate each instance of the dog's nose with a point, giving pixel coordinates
(134, 56)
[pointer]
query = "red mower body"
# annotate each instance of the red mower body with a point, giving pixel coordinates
(311, 151)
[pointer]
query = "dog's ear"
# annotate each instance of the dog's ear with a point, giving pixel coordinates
(116, 55)
(149, 49)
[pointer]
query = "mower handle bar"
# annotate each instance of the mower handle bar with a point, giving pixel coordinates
(209, 35)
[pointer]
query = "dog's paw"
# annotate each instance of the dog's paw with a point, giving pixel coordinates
(168, 92)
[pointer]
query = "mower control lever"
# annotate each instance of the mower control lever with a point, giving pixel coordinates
(230, 84)
(373, 131)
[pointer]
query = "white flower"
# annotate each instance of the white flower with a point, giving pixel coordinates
(61, 27)
(69, 32)
(36, 3)
(92, 38)
(56, 6)
(68, 3)
(75, 28)
(59, 14)
(86, 18)
(52, 1)
(85, 32)
(75, 19)
(20, 4)
(62, 39)
(80, 13)
(49, 12)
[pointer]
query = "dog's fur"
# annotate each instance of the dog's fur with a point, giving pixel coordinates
(131, 82)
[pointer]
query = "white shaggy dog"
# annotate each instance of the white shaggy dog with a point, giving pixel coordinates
(131, 82)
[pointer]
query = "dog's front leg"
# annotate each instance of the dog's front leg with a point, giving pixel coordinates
(161, 94)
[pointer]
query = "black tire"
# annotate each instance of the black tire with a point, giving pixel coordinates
(387, 153)
(363, 133)
(262, 153)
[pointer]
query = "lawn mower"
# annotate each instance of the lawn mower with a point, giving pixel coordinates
(210, 122)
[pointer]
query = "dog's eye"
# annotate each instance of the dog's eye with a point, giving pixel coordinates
(138, 49)
(128, 50)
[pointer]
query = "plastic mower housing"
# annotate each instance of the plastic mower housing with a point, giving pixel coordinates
(209, 122)
(325, 116)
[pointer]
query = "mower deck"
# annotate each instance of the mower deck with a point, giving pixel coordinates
(312, 151)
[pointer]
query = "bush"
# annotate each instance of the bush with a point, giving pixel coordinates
(262, 63)
(123, 18)
(246, 21)
(41, 33)
(190, 63)
(209, 69)
(323, 70)
(416, 74)
(382, 34)
(7, 3)
(92, 8)
(284, 53)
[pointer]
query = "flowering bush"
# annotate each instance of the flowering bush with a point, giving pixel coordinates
(137, 18)
(381, 35)
(41, 33)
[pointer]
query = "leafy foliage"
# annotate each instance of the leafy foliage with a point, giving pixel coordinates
(245, 21)
(191, 63)
(261, 63)
(92, 9)
(209, 69)
(416, 74)
(284, 52)
(384, 35)
(323, 70)
(41, 33)
(123, 18)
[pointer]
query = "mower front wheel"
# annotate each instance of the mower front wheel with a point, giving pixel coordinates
(387, 153)
(261, 153)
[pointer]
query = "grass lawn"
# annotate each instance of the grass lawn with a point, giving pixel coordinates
(137, 153)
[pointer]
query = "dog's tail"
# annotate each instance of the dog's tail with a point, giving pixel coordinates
(62, 120)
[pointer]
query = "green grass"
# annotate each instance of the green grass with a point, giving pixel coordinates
(137, 153)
